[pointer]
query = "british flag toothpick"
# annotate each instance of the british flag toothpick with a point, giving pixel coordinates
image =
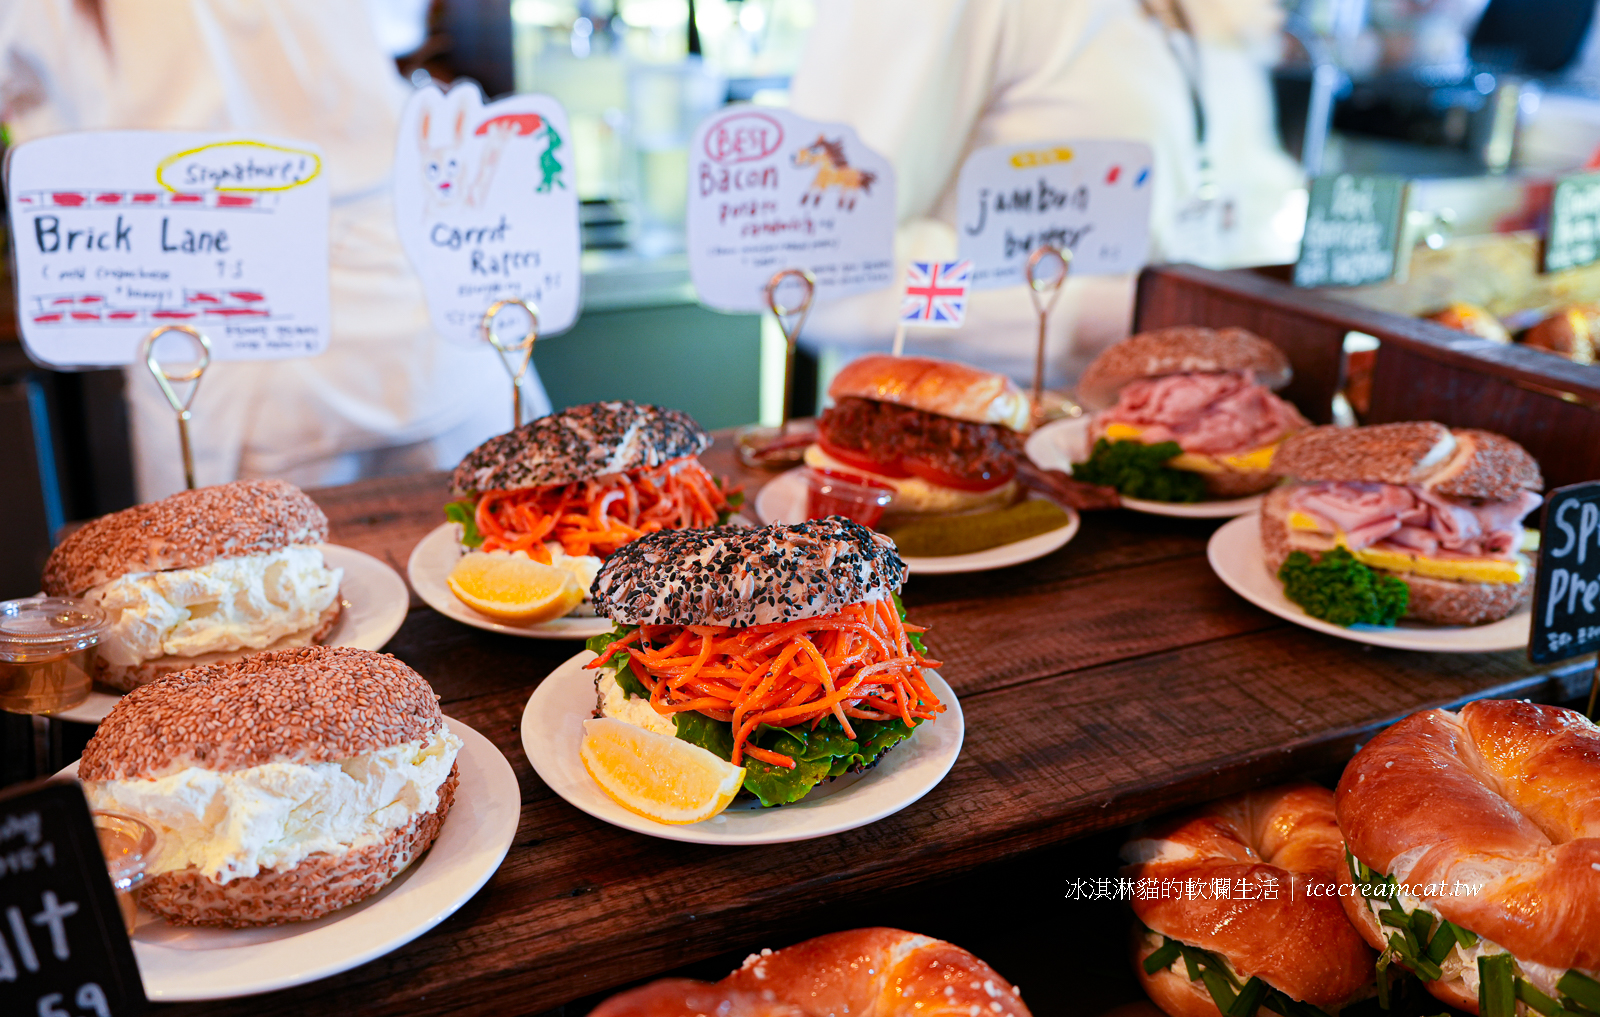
(936, 293)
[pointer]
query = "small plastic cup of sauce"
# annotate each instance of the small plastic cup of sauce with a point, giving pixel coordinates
(833, 493)
(47, 648)
(129, 846)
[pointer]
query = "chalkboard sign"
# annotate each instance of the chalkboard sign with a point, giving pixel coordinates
(63, 949)
(1566, 598)
(1574, 237)
(1353, 230)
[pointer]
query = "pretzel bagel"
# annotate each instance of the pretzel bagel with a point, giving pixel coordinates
(1282, 846)
(1489, 819)
(877, 972)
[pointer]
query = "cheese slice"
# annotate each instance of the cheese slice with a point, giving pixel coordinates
(1257, 460)
(1469, 570)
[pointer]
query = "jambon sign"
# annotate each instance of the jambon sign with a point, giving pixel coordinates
(769, 190)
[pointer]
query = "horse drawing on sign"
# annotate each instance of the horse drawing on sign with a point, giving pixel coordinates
(833, 170)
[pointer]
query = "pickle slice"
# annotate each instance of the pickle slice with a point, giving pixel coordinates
(966, 534)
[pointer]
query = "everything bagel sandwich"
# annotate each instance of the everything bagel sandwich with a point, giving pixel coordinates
(570, 488)
(328, 772)
(944, 437)
(1436, 509)
(780, 649)
(202, 577)
(1209, 392)
(1474, 855)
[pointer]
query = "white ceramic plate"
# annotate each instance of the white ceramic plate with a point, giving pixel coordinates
(375, 604)
(1235, 554)
(181, 964)
(783, 500)
(552, 732)
(431, 561)
(1060, 443)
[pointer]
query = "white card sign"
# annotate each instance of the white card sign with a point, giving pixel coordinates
(487, 207)
(1089, 197)
(117, 233)
(770, 190)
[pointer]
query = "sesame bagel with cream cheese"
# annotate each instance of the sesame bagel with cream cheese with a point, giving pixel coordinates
(201, 577)
(1209, 391)
(330, 770)
(783, 649)
(1440, 509)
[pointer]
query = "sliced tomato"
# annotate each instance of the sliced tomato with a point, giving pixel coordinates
(859, 460)
(934, 475)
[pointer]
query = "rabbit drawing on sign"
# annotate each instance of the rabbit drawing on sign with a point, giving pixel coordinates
(458, 166)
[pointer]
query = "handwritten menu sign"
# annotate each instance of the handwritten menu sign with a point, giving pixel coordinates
(116, 233)
(1566, 592)
(1574, 237)
(1353, 231)
(1089, 197)
(770, 190)
(63, 949)
(487, 207)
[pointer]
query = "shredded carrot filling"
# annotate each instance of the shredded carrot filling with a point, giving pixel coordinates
(857, 663)
(599, 515)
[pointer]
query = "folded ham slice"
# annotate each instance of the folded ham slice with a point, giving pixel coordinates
(1222, 413)
(1414, 520)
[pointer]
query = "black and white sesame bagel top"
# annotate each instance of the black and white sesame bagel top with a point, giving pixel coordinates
(739, 577)
(579, 443)
(310, 704)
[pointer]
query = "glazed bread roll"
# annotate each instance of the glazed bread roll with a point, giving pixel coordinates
(282, 787)
(945, 387)
(871, 972)
(1489, 819)
(1298, 940)
(1472, 319)
(1440, 509)
(203, 577)
(1572, 332)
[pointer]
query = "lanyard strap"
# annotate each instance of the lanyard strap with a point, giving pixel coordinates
(1186, 54)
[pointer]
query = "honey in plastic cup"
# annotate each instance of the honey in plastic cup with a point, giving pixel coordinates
(47, 653)
(129, 846)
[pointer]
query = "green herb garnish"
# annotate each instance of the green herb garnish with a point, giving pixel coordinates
(465, 513)
(1231, 998)
(1342, 590)
(1582, 990)
(1140, 471)
(1497, 990)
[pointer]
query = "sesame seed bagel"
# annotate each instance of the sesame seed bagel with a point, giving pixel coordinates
(312, 704)
(578, 443)
(747, 576)
(319, 885)
(1461, 463)
(1181, 349)
(126, 677)
(187, 530)
(1432, 600)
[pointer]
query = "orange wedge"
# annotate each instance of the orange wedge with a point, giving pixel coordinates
(514, 588)
(655, 775)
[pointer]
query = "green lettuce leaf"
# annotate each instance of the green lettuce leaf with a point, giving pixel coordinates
(463, 512)
(627, 677)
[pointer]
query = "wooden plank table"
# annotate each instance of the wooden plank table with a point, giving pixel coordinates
(1109, 682)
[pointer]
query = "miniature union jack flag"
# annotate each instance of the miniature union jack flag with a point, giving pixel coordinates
(936, 293)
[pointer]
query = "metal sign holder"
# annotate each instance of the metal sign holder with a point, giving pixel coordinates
(523, 346)
(791, 335)
(1044, 293)
(180, 406)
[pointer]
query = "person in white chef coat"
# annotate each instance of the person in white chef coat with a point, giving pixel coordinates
(389, 395)
(926, 82)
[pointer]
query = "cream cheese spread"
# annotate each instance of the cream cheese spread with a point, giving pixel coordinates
(230, 604)
(233, 824)
(617, 704)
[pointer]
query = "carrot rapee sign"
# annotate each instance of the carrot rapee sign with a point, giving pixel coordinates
(487, 207)
(769, 191)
